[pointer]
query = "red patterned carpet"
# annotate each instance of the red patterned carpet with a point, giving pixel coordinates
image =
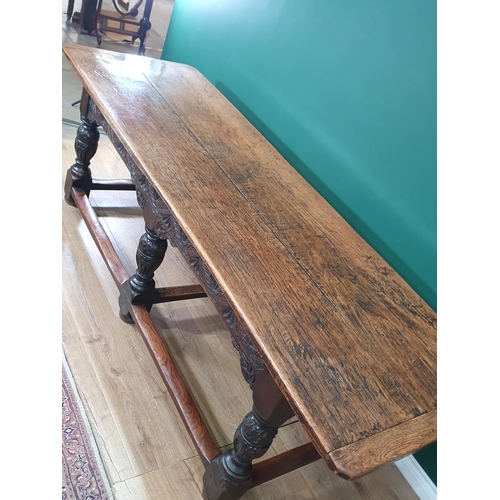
(83, 475)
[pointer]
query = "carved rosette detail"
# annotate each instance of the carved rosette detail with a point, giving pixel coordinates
(251, 363)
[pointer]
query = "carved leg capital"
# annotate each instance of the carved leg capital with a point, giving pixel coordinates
(229, 476)
(138, 288)
(149, 256)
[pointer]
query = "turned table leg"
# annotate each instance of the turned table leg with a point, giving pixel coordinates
(79, 175)
(137, 290)
(229, 475)
(149, 256)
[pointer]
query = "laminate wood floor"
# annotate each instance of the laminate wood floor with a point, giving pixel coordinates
(146, 451)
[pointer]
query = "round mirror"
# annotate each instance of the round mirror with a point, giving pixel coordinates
(127, 7)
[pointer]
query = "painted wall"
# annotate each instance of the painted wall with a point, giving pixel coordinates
(346, 91)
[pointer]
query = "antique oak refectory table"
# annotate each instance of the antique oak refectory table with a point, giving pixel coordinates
(326, 330)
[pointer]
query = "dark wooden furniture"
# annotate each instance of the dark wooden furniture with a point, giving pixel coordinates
(124, 24)
(85, 20)
(325, 328)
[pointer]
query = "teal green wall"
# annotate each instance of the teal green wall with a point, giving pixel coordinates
(346, 91)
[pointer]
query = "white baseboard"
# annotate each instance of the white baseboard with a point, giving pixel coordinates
(421, 483)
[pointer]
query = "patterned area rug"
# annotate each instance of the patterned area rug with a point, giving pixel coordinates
(83, 474)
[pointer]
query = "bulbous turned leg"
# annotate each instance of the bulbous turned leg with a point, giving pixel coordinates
(87, 137)
(135, 290)
(149, 256)
(229, 475)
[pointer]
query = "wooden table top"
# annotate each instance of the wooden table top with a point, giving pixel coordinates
(350, 344)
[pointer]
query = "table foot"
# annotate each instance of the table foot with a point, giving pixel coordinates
(138, 287)
(220, 483)
(124, 304)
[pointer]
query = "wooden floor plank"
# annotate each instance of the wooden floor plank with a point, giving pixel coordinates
(119, 381)
(169, 483)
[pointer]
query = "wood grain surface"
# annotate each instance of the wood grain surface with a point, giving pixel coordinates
(350, 344)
